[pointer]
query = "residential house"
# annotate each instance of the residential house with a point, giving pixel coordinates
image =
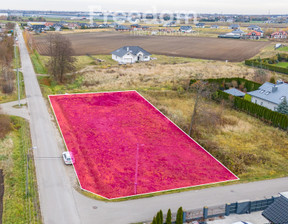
(186, 29)
(279, 35)
(254, 27)
(277, 212)
(73, 26)
(200, 25)
(254, 35)
(270, 95)
(235, 92)
(130, 55)
(234, 27)
(36, 26)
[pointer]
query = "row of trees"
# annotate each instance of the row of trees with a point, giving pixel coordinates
(7, 75)
(158, 219)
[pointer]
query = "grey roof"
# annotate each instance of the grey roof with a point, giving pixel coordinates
(253, 26)
(238, 31)
(234, 92)
(266, 92)
(185, 27)
(278, 211)
(234, 26)
(132, 49)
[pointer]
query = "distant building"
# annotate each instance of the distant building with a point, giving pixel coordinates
(254, 35)
(200, 25)
(122, 28)
(254, 27)
(234, 27)
(238, 32)
(130, 55)
(270, 95)
(279, 35)
(186, 29)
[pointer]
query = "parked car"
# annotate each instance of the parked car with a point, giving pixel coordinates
(67, 158)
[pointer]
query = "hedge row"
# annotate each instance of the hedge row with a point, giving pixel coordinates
(271, 67)
(272, 117)
(248, 85)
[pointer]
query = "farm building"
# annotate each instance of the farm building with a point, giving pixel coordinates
(186, 29)
(270, 95)
(238, 32)
(122, 28)
(279, 35)
(36, 25)
(130, 55)
(235, 92)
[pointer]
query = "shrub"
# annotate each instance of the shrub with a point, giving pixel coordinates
(5, 125)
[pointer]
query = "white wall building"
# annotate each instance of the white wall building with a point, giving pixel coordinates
(130, 55)
(270, 95)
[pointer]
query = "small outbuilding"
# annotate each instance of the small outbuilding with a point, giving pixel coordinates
(235, 92)
(130, 55)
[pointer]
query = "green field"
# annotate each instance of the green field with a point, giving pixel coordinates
(283, 48)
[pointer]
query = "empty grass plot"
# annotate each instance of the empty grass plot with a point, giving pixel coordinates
(123, 146)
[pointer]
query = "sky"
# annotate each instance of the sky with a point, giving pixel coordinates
(197, 6)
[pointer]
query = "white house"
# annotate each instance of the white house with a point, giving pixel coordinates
(270, 95)
(130, 55)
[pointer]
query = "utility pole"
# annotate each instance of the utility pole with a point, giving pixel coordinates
(16, 64)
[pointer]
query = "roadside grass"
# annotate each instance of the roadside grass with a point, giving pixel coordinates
(39, 63)
(17, 207)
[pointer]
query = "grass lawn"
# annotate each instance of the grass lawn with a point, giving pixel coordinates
(282, 64)
(39, 63)
(283, 48)
(17, 206)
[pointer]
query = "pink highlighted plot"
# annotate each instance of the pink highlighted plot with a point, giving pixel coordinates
(123, 146)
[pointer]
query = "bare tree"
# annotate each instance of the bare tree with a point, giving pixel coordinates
(261, 76)
(61, 57)
(202, 90)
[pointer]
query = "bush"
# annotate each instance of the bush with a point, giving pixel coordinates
(5, 125)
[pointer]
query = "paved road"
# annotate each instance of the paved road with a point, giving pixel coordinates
(12, 109)
(57, 200)
(61, 203)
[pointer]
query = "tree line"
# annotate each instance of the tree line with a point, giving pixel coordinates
(7, 75)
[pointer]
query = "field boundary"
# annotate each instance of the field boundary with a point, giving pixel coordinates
(155, 192)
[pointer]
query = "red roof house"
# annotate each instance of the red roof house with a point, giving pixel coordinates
(279, 35)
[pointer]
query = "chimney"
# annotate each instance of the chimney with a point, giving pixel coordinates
(279, 82)
(274, 88)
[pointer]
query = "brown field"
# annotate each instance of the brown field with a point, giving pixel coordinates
(194, 47)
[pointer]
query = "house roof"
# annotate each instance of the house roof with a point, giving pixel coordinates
(279, 33)
(238, 31)
(234, 92)
(254, 26)
(132, 49)
(185, 27)
(254, 33)
(265, 92)
(122, 27)
(278, 211)
(234, 26)
(200, 24)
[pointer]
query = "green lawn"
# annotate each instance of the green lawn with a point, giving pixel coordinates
(39, 62)
(282, 64)
(283, 48)
(17, 206)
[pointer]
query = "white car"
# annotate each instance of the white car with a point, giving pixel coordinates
(67, 158)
